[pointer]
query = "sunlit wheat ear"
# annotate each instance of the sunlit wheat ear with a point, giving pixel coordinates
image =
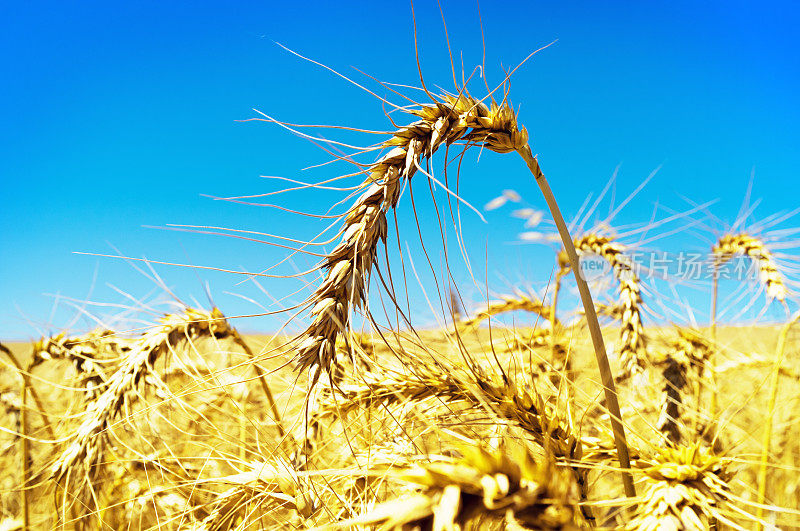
(730, 245)
(687, 487)
(632, 340)
(511, 303)
(348, 266)
(485, 489)
(675, 368)
(511, 401)
(90, 354)
(688, 350)
(85, 445)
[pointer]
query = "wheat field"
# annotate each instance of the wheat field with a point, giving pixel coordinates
(572, 407)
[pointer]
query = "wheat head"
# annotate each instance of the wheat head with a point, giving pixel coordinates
(481, 490)
(348, 266)
(510, 303)
(632, 338)
(730, 245)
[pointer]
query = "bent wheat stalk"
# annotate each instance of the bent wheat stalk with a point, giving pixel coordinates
(447, 120)
(591, 319)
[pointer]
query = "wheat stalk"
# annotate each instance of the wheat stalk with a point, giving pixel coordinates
(780, 351)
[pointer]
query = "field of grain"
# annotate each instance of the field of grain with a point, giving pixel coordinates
(518, 413)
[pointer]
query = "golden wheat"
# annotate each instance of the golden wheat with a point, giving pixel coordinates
(480, 489)
(632, 338)
(730, 245)
(348, 266)
(511, 303)
(687, 486)
(676, 366)
(85, 445)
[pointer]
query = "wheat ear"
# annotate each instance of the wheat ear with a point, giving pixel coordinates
(675, 370)
(26, 456)
(780, 351)
(449, 119)
(632, 339)
(85, 444)
(83, 352)
(505, 398)
(482, 490)
(730, 245)
(686, 486)
(511, 303)
(348, 266)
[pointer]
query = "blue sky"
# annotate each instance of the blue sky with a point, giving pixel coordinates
(118, 116)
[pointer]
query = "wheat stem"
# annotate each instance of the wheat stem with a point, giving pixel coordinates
(23, 414)
(712, 371)
(591, 319)
(773, 395)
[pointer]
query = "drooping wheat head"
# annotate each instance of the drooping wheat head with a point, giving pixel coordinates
(483, 489)
(675, 368)
(730, 245)
(348, 266)
(91, 355)
(687, 489)
(85, 445)
(511, 303)
(632, 339)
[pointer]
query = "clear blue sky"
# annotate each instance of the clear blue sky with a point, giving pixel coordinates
(117, 115)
